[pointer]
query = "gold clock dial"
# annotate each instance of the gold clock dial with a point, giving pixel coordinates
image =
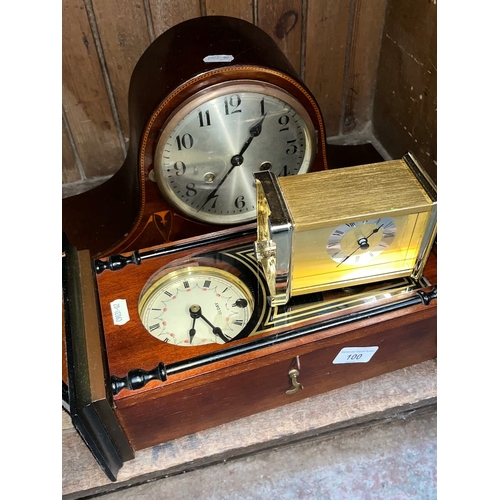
(196, 306)
(212, 145)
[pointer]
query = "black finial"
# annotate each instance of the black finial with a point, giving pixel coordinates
(138, 378)
(116, 262)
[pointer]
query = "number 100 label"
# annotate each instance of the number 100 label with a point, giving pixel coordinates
(354, 355)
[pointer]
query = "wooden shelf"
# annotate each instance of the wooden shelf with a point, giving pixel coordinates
(372, 400)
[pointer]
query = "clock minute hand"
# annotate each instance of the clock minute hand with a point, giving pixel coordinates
(347, 256)
(362, 243)
(215, 329)
(213, 194)
(237, 160)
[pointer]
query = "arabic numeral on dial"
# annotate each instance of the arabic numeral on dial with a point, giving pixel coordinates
(180, 168)
(262, 109)
(190, 189)
(231, 104)
(283, 171)
(283, 121)
(293, 147)
(184, 142)
(240, 202)
(204, 119)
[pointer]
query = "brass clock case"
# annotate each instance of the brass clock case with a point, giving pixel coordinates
(376, 222)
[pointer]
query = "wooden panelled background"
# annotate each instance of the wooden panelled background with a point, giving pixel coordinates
(371, 64)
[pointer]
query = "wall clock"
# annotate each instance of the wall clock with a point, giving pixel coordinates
(211, 101)
(173, 339)
(196, 305)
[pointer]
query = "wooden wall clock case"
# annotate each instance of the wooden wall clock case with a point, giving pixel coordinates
(128, 391)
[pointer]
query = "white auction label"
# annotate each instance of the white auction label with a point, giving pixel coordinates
(218, 58)
(355, 355)
(119, 310)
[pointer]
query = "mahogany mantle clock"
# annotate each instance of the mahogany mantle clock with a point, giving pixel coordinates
(211, 101)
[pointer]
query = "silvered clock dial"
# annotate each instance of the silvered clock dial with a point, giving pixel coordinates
(212, 145)
(358, 242)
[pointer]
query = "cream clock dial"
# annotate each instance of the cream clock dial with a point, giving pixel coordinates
(196, 306)
(212, 145)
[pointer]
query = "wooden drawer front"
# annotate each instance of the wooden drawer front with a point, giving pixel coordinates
(261, 384)
(397, 348)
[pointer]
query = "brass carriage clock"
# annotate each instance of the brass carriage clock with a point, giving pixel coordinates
(346, 227)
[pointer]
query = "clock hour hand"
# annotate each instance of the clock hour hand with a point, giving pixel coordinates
(255, 131)
(376, 230)
(237, 160)
(362, 244)
(192, 332)
(194, 312)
